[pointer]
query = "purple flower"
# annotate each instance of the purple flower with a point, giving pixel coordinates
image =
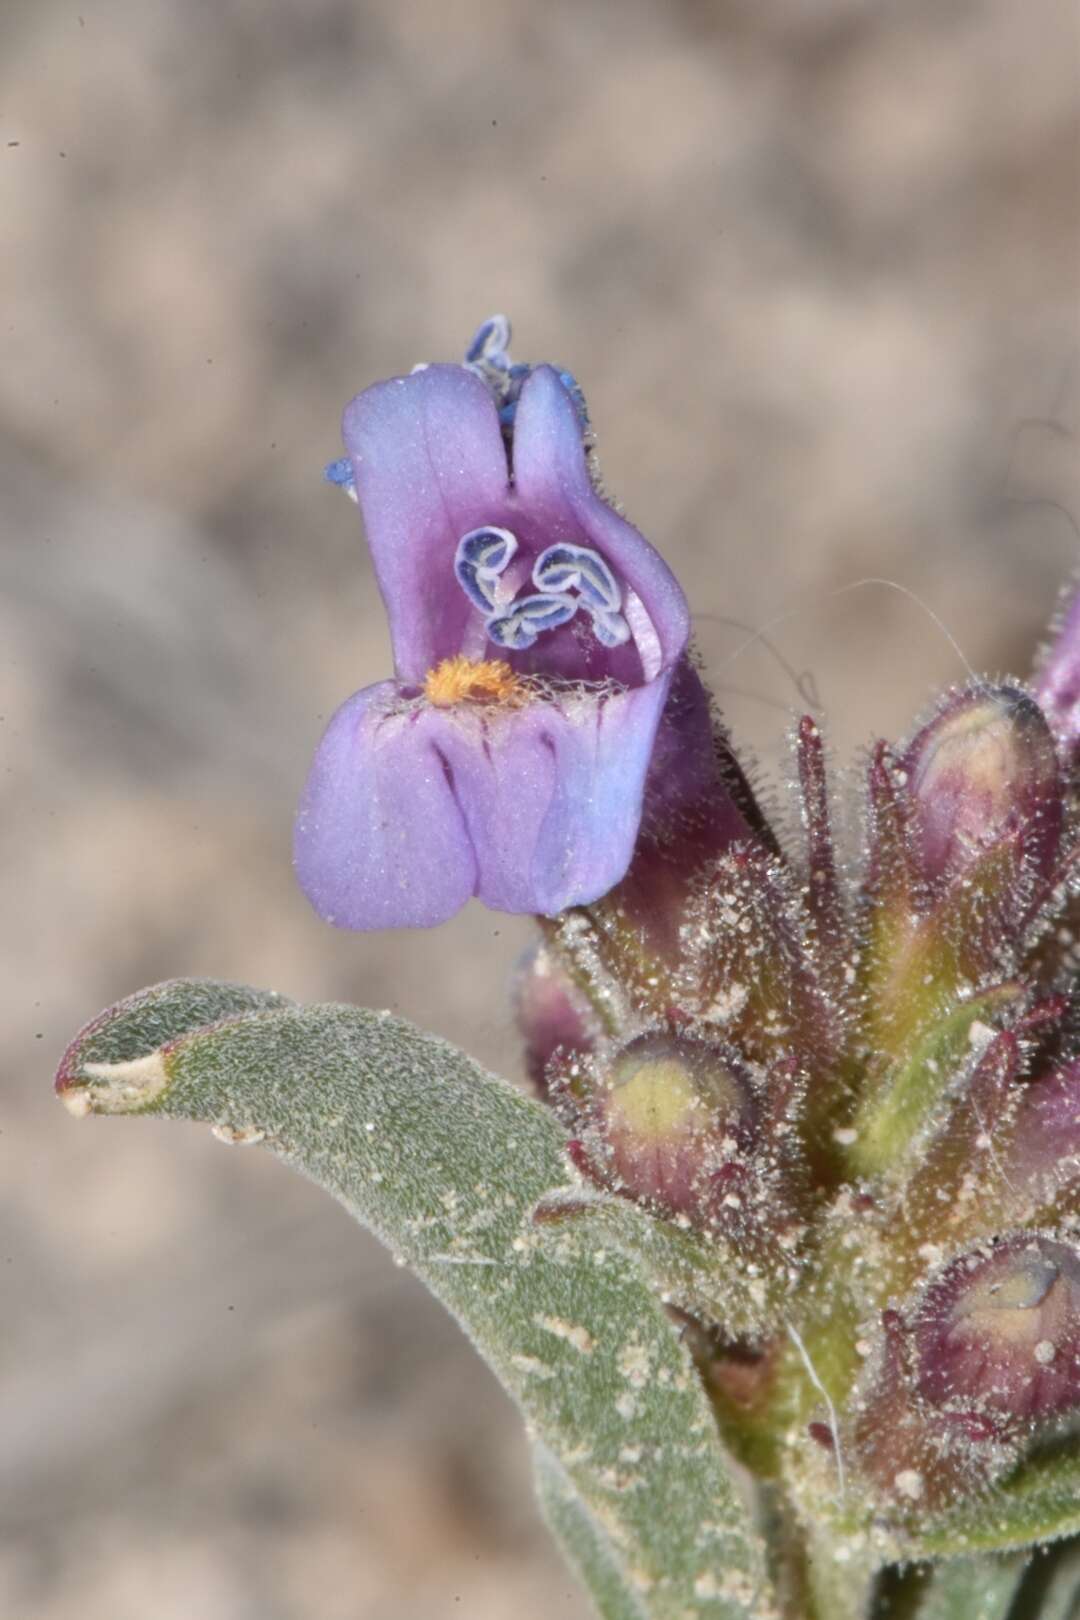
(535, 634)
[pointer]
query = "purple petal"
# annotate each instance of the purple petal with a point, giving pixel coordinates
(551, 793)
(380, 841)
(552, 483)
(430, 465)
(409, 810)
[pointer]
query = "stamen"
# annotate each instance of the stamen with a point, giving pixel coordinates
(567, 577)
(461, 680)
(519, 624)
(578, 568)
(610, 629)
(488, 357)
(480, 558)
(340, 472)
(490, 343)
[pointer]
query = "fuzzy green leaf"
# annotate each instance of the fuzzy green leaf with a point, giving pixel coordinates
(446, 1164)
(585, 1543)
(1039, 1502)
(142, 1024)
(707, 1277)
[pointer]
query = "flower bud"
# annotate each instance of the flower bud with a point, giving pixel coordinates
(918, 1457)
(1057, 680)
(747, 965)
(1000, 1331)
(552, 1014)
(982, 771)
(670, 1122)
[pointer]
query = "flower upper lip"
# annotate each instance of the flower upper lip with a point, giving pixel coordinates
(430, 463)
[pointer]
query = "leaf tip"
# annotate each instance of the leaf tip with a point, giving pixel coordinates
(112, 1088)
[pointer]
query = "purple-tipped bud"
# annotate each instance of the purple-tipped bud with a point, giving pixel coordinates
(983, 771)
(1000, 1331)
(1057, 680)
(991, 1160)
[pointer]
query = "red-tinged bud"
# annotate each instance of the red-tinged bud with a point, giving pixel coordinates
(674, 1115)
(920, 1458)
(552, 1014)
(999, 1331)
(672, 1121)
(984, 770)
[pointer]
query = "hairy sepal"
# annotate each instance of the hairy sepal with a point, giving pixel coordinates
(1038, 1503)
(904, 1100)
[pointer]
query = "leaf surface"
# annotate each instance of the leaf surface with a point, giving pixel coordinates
(446, 1163)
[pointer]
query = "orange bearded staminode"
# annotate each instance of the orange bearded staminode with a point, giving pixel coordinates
(463, 680)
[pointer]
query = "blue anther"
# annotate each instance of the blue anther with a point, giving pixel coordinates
(578, 568)
(489, 344)
(517, 626)
(488, 357)
(340, 472)
(610, 629)
(488, 548)
(480, 558)
(479, 592)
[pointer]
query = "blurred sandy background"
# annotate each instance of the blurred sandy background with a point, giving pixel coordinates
(816, 264)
